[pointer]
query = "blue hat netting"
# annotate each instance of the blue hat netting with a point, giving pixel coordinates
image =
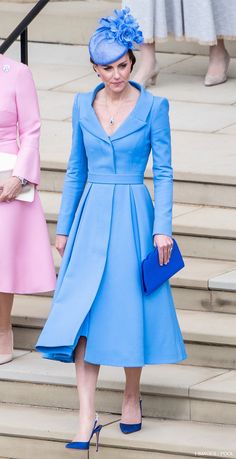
(115, 37)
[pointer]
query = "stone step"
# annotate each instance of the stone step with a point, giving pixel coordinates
(183, 392)
(204, 285)
(205, 232)
(72, 22)
(67, 68)
(195, 188)
(201, 231)
(203, 175)
(59, 22)
(45, 431)
(209, 337)
(185, 191)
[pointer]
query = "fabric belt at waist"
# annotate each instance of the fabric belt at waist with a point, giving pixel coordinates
(115, 178)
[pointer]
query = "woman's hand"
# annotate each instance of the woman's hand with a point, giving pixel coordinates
(164, 245)
(10, 189)
(60, 243)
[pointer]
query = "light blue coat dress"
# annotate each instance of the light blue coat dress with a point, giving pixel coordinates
(108, 214)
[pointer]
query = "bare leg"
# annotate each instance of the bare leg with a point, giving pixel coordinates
(130, 405)
(86, 375)
(6, 302)
(218, 63)
(148, 68)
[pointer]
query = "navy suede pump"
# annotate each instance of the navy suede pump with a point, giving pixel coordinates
(131, 428)
(84, 445)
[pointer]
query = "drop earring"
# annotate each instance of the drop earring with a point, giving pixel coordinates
(98, 75)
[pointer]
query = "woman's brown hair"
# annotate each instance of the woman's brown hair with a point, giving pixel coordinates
(131, 56)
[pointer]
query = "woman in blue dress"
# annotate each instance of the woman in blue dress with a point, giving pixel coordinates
(107, 225)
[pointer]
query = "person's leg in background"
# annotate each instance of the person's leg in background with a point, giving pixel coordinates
(218, 64)
(6, 336)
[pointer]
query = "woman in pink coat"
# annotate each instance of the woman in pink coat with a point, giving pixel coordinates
(26, 264)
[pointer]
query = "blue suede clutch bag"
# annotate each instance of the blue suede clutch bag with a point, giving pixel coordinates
(153, 274)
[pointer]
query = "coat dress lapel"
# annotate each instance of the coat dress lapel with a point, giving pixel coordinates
(135, 121)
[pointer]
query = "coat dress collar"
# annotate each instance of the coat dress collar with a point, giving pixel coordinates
(134, 121)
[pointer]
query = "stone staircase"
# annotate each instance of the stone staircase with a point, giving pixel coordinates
(189, 408)
(73, 21)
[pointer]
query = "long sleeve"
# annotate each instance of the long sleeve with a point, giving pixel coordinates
(28, 121)
(75, 177)
(162, 169)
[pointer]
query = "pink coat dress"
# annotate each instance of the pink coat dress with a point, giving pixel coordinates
(26, 263)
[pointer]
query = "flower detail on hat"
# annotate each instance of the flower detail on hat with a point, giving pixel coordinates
(122, 28)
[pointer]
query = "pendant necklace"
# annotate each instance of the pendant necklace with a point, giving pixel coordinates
(112, 117)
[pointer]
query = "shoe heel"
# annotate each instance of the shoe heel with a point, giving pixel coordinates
(141, 408)
(153, 80)
(85, 445)
(99, 428)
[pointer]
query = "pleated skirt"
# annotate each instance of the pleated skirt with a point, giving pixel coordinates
(99, 292)
(202, 21)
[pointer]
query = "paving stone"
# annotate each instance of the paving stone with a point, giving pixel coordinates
(229, 130)
(207, 327)
(83, 84)
(48, 76)
(221, 388)
(226, 281)
(187, 116)
(55, 106)
(60, 425)
(190, 88)
(198, 272)
(203, 245)
(156, 379)
(197, 65)
(204, 157)
(55, 144)
(211, 221)
(61, 22)
(52, 54)
(51, 204)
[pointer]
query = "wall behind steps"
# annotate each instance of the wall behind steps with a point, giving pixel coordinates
(73, 21)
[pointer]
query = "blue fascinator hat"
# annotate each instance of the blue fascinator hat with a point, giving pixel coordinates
(115, 36)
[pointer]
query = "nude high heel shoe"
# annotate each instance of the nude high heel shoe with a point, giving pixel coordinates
(151, 81)
(7, 338)
(148, 79)
(213, 80)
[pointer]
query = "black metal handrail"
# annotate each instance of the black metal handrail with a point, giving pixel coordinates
(22, 31)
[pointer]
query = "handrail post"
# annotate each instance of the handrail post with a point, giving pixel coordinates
(24, 46)
(21, 30)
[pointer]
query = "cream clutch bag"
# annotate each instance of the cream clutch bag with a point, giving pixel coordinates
(7, 164)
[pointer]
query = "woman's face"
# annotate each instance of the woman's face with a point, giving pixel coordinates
(115, 75)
